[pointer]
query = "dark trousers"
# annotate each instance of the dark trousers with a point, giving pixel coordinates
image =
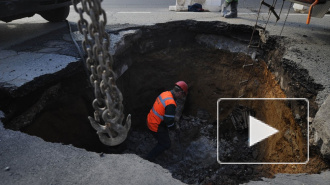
(164, 143)
(233, 7)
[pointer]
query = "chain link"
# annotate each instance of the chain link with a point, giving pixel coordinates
(108, 114)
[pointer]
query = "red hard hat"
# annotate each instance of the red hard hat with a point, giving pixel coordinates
(183, 86)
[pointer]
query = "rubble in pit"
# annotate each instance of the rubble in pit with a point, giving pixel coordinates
(192, 157)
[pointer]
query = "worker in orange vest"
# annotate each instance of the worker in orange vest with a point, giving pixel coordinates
(161, 117)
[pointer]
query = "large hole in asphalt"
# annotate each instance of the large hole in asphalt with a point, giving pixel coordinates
(209, 57)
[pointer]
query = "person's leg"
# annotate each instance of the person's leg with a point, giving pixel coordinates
(224, 10)
(164, 143)
(233, 10)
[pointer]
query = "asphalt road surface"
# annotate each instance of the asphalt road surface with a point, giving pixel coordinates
(132, 12)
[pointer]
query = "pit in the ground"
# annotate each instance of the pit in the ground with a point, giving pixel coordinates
(157, 57)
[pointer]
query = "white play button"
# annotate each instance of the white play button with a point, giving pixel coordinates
(259, 131)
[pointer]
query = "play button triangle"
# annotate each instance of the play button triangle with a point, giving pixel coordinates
(259, 131)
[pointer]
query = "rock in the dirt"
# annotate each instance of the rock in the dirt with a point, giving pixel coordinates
(203, 114)
(249, 171)
(202, 151)
(310, 119)
(185, 117)
(203, 121)
(253, 56)
(235, 140)
(321, 128)
(2, 115)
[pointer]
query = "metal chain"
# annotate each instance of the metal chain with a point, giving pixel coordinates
(108, 114)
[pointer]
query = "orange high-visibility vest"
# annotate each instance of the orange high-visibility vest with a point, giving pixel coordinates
(156, 114)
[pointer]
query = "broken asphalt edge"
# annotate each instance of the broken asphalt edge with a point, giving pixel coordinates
(28, 159)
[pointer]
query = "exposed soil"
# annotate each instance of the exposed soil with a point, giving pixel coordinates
(213, 74)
